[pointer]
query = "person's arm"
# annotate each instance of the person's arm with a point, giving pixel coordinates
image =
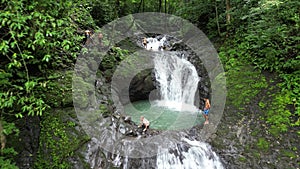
(141, 123)
(146, 127)
(208, 104)
(146, 123)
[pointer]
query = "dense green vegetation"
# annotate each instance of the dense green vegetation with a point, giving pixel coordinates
(40, 40)
(268, 38)
(36, 38)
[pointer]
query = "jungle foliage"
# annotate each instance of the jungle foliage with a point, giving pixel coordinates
(40, 37)
(36, 38)
(267, 36)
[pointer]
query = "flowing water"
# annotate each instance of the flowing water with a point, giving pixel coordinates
(154, 44)
(177, 82)
(193, 155)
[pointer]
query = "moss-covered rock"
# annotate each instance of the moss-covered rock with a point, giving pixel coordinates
(245, 138)
(61, 136)
(82, 90)
(59, 89)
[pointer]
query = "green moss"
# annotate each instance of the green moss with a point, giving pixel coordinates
(81, 92)
(255, 132)
(288, 153)
(7, 163)
(277, 114)
(256, 154)
(247, 148)
(262, 104)
(9, 138)
(262, 144)
(103, 109)
(275, 131)
(217, 143)
(243, 84)
(58, 140)
(242, 159)
(59, 89)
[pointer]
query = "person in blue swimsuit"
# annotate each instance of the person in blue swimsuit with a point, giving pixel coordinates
(206, 110)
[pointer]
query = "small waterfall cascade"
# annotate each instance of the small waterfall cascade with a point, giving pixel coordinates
(154, 44)
(177, 78)
(192, 155)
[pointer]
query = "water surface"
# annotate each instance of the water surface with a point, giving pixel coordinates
(163, 116)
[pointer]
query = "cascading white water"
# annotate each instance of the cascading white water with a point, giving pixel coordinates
(197, 156)
(178, 80)
(155, 44)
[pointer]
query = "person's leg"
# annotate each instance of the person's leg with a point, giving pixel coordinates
(206, 119)
(206, 116)
(146, 127)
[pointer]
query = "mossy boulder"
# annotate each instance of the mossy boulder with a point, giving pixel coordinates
(60, 139)
(60, 89)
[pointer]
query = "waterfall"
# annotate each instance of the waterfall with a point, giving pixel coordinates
(177, 78)
(194, 155)
(178, 82)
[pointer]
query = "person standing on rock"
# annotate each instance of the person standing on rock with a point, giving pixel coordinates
(88, 40)
(144, 122)
(206, 110)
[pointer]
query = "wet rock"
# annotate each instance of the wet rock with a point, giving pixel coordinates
(183, 147)
(117, 116)
(28, 144)
(141, 86)
(122, 129)
(127, 119)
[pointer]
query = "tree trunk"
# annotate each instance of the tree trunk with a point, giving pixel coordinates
(159, 7)
(228, 17)
(117, 9)
(165, 6)
(217, 18)
(227, 11)
(140, 6)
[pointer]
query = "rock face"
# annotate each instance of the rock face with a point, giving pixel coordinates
(248, 145)
(28, 143)
(142, 85)
(244, 140)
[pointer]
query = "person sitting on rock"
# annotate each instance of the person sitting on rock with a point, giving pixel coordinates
(144, 123)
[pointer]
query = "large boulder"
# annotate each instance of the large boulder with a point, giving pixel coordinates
(142, 85)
